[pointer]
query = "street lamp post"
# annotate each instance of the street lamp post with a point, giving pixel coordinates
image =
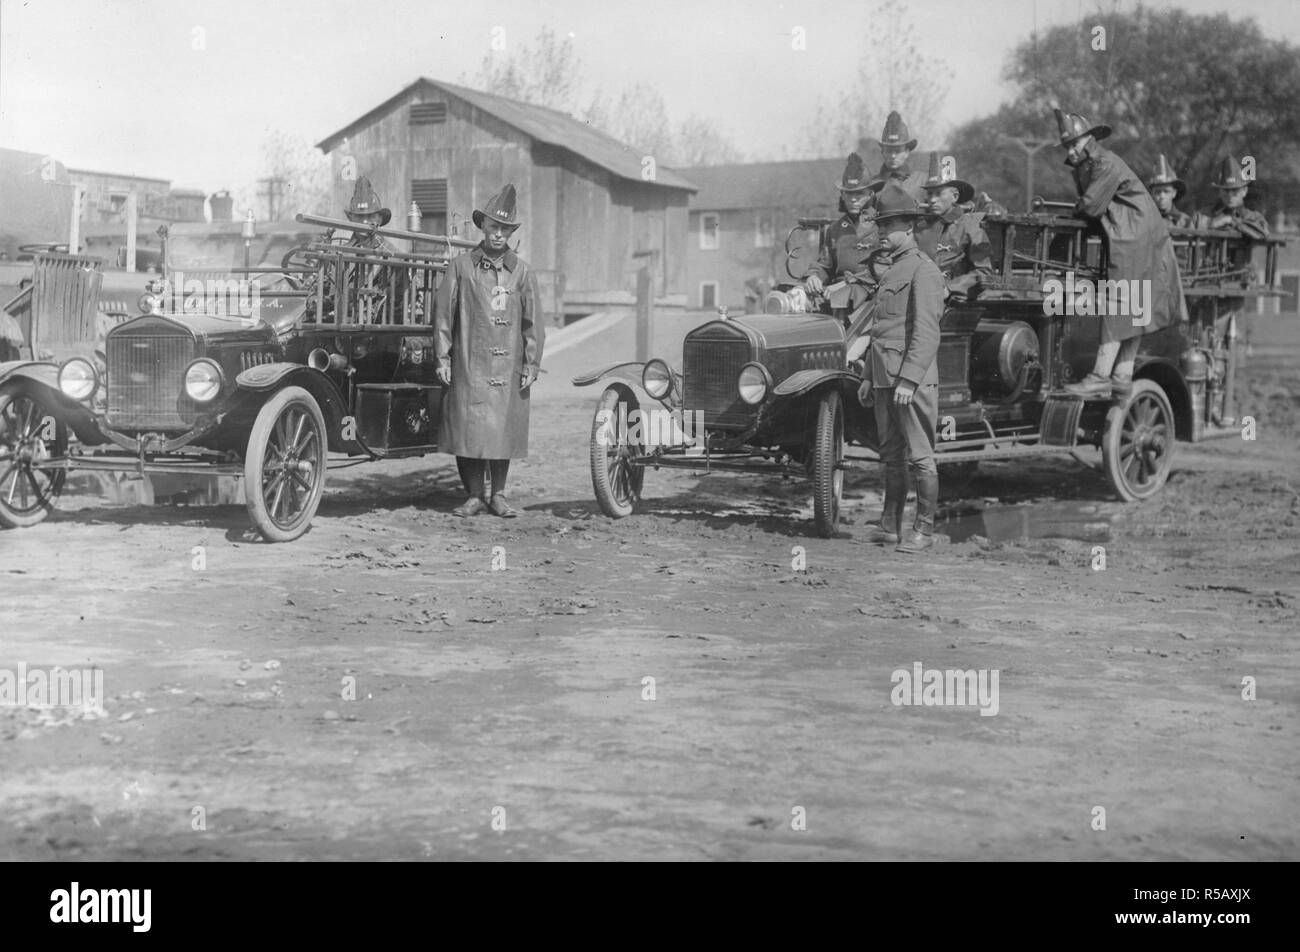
(1029, 147)
(249, 232)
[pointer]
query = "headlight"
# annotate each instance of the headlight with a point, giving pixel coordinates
(77, 379)
(203, 380)
(657, 379)
(150, 304)
(754, 383)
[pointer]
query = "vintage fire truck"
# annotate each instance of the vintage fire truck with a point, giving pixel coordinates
(260, 372)
(774, 393)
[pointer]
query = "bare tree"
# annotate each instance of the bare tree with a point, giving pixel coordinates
(701, 142)
(892, 75)
(295, 179)
(547, 72)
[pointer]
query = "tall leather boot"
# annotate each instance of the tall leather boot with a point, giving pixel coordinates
(921, 536)
(889, 530)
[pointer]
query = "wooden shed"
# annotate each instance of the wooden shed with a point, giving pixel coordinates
(593, 210)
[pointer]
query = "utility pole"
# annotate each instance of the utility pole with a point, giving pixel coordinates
(1029, 147)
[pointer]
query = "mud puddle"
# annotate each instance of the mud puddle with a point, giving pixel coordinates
(1083, 522)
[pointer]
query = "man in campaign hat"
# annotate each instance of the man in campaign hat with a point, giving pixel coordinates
(901, 372)
(489, 326)
(1230, 212)
(896, 145)
(1167, 188)
(955, 238)
(1139, 248)
(847, 243)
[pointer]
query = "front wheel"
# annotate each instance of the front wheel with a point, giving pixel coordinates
(1138, 446)
(615, 478)
(284, 468)
(828, 463)
(30, 435)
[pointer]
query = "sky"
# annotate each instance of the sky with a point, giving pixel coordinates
(186, 89)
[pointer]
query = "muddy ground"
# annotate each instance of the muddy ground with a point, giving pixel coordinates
(517, 698)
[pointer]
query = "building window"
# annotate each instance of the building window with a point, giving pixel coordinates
(431, 196)
(709, 228)
(764, 229)
(428, 113)
(708, 295)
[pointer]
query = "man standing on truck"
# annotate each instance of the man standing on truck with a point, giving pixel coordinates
(901, 377)
(1230, 212)
(1139, 248)
(955, 238)
(847, 242)
(895, 148)
(488, 321)
(1167, 188)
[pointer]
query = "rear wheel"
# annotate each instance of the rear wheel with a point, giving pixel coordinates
(828, 463)
(284, 468)
(615, 478)
(30, 434)
(1138, 446)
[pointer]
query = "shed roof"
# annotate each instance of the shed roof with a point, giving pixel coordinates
(802, 183)
(543, 124)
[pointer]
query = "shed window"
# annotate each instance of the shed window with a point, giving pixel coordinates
(709, 229)
(764, 229)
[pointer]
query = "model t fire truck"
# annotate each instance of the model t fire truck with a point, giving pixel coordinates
(259, 372)
(774, 392)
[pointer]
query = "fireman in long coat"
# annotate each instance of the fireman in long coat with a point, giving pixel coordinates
(848, 242)
(489, 327)
(954, 239)
(1139, 248)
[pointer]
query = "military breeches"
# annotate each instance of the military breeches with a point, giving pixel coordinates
(907, 432)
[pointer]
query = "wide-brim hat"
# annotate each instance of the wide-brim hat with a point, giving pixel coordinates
(365, 202)
(1074, 126)
(936, 179)
(500, 208)
(893, 201)
(1163, 174)
(854, 178)
(1230, 174)
(895, 133)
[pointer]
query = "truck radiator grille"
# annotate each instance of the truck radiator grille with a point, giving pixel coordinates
(710, 369)
(146, 381)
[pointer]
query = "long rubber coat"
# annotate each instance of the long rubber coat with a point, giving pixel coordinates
(1137, 239)
(488, 321)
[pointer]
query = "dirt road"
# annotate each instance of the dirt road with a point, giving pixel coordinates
(499, 670)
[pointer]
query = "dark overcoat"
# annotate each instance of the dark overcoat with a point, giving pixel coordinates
(1137, 239)
(488, 321)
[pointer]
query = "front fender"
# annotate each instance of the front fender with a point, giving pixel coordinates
(46, 376)
(803, 381)
(268, 378)
(630, 373)
(40, 371)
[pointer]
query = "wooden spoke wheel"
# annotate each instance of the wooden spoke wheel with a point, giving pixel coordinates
(828, 463)
(284, 467)
(1138, 446)
(31, 433)
(615, 478)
